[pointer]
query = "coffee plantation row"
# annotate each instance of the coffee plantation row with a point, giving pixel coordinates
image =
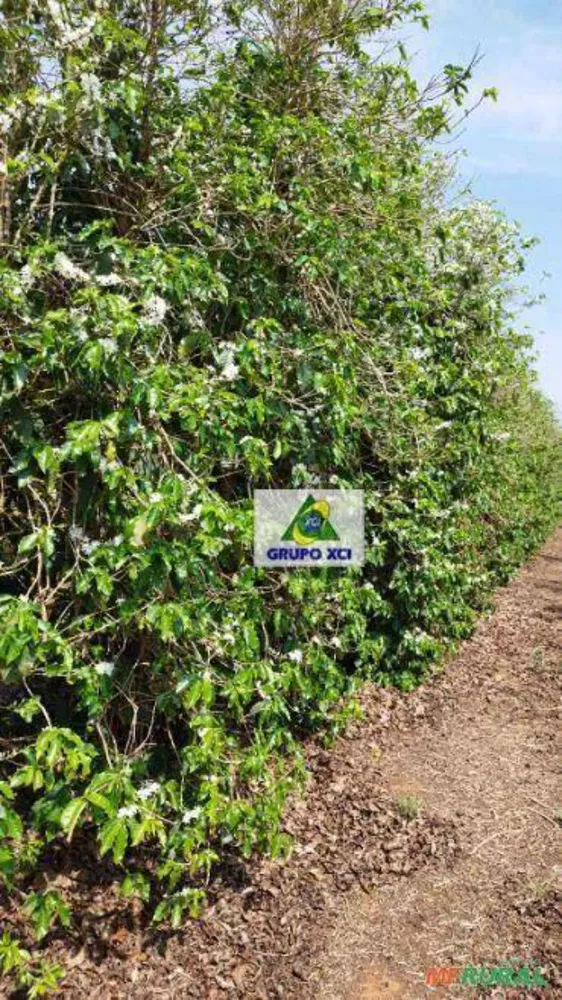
(233, 256)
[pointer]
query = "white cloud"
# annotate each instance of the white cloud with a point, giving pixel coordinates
(515, 159)
(521, 55)
(528, 75)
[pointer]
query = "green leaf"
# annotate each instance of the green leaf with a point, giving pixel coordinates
(136, 884)
(114, 837)
(71, 815)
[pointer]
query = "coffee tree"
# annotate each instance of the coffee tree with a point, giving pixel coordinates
(228, 262)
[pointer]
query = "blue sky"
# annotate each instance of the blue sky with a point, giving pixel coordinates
(514, 147)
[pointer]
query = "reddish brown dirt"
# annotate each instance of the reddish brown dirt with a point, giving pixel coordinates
(371, 899)
(484, 753)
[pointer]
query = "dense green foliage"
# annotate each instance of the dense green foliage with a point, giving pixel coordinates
(254, 280)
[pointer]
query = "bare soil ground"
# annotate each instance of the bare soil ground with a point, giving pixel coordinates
(430, 835)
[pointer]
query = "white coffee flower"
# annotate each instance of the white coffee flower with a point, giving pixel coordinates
(105, 668)
(27, 276)
(196, 320)
(127, 812)
(107, 280)
(101, 145)
(109, 345)
(191, 814)
(55, 11)
(91, 87)
(148, 790)
(296, 655)
(230, 371)
(90, 547)
(78, 35)
(155, 309)
(192, 516)
(67, 269)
